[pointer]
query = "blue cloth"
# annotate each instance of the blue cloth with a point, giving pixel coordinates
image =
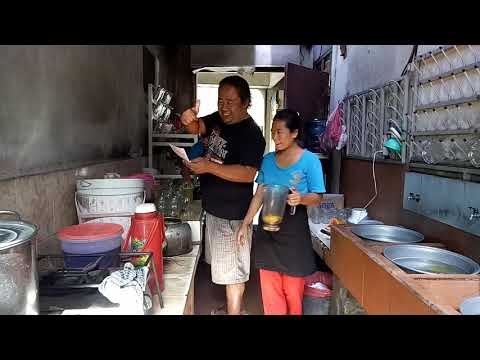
(308, 168)
(196, 150)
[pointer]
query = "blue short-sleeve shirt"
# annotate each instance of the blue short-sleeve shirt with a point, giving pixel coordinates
(308, 169)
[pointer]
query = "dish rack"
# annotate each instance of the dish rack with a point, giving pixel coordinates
(444, 123)
(434, 110)
(56, 280)
(160, 127)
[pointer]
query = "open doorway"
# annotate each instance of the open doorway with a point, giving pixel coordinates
(267, 90)
(267, 96)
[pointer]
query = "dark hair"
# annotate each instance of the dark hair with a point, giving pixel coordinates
(293, 122)
(241, 85)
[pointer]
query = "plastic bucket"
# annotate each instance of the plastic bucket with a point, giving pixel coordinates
(125, 221)
(107, 260)
(91, 246)
(92, 240)
(149, 181)
(110, 204)
(84, 185)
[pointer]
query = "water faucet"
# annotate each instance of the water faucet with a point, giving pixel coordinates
(474, 213)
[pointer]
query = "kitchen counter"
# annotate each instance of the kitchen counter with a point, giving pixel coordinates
(178, 272)
(382, 287)
(179, 275)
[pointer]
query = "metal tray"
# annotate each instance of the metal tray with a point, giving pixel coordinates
(430, 260)
(387, 233)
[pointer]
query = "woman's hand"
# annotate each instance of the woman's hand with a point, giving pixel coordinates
(242, 234)
(295, 198)
(190, 115)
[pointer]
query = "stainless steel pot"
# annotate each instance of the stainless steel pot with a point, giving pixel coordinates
(18, 267)
(178, 236)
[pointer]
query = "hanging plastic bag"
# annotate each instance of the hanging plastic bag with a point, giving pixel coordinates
(319, 284)
(335, 135)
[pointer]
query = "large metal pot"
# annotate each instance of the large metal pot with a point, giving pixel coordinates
(18, 267)
(178, 237)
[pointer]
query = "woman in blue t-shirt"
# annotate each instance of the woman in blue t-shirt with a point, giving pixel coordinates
(286, 256)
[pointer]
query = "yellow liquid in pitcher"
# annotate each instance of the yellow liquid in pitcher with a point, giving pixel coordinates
(272, 219)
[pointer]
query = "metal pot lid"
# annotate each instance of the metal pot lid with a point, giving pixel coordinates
(14, 233)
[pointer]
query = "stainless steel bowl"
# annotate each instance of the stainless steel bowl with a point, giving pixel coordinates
(430, 260)
(387, 233)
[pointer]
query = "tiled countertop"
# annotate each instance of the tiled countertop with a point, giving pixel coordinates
(179, 271)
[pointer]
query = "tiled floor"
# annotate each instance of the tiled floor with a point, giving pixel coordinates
(209, 296)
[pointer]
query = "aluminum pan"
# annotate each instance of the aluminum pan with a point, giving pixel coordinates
(430, 260)
(387, 233)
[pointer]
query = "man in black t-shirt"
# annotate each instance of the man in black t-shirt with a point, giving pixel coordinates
(234, 152)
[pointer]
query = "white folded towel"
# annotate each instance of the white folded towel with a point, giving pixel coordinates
(126, 287)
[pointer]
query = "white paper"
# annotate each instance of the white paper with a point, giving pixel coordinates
(319, 286)
(180, 152)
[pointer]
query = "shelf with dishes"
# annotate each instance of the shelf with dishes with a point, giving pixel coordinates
(186, 140)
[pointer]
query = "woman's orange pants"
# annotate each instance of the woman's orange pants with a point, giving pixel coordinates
(281, 294)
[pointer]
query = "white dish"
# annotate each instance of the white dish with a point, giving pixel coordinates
(470, 306)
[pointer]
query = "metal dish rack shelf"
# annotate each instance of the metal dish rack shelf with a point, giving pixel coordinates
(159, 139)
(435, 107)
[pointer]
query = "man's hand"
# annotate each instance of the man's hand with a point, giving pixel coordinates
(295, 198)
(198, 166)
(190, 115)
(242, 235)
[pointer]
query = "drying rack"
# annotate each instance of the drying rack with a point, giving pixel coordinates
(61, 272)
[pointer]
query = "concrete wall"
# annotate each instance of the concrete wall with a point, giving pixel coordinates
(364, 67)
(68, 104)
(48, 201)
(367, 66)
(175, 75)
(66, 111)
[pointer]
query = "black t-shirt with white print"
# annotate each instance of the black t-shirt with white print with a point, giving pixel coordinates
(241, 143)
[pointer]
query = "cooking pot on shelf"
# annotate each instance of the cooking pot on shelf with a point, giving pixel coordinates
(18, 267)
(178, 236)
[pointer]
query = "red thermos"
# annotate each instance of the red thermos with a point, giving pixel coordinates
(147, 233)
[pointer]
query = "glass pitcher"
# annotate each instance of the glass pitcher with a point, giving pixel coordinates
(274, 202)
